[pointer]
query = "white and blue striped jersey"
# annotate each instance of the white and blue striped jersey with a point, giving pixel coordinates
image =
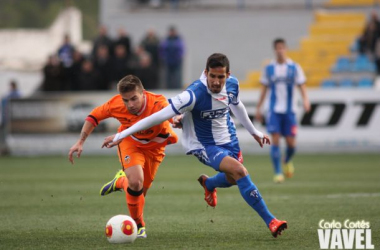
(207, 119)
(281, 79)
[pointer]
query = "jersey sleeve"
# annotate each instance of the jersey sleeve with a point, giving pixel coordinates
(183, 102)
(99, 113)
(263, 78)
(233, 91)
(300, 75)
(160, 104)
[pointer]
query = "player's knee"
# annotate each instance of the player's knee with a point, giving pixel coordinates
(135, 184)
(240, 172)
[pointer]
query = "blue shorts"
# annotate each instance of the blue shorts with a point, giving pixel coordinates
(213, 155)
(284, 124)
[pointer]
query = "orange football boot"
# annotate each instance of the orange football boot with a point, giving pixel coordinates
(277, 226)
(210, 196)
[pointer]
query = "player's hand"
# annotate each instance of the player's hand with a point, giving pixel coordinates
(77, 147)
(262, 141)
(306, 106)
(259, 116)
(109, 143)
(177, 121)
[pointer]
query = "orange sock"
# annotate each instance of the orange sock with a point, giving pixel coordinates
(136, 202)
(122, 183)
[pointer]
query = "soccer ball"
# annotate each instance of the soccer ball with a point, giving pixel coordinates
(121, 229)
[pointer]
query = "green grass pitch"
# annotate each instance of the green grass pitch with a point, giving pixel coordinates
(46, 203)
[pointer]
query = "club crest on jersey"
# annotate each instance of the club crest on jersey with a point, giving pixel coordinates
(127, 159)
(214, 114)
(232, 98)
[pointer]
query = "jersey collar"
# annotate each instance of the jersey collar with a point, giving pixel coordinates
(143, 107)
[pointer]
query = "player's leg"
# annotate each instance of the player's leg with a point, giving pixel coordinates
(135, 193)
(132, 160)
(210, 194)
(275, 154)
(273, 128)
(216, 154)
(153, 159)
(290, 136)
(251, 194)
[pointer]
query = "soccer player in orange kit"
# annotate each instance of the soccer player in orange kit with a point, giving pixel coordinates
(141, 153)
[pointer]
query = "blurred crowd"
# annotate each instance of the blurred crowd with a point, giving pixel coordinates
(152, 60)
(369, 41)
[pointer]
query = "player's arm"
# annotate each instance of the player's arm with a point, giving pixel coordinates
(263, 94)
(179, 104)
(305, 98)
(150, 121)
(241, 114)
(300, 81)
(99, 113)
(87, 129)
(265, 82)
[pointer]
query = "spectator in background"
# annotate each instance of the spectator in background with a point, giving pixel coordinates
(75, 70)
(54, 75)
(102, 40)
(125, 40)
(14, 93)
(145, 70)
(172, 51)
(121, 65)
(88, 78)
(151, 43)
(103, 65)
(368, 40)
(65, 52)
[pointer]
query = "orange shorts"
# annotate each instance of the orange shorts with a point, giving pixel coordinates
(148, 159)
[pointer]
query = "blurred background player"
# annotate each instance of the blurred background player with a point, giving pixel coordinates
(140, 154)
(210, 135)
(279, 77)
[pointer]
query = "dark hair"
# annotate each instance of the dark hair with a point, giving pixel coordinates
(218, 60)
(129, 83)
(277, 41)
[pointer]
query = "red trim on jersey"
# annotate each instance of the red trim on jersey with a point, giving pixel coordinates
(92, 120)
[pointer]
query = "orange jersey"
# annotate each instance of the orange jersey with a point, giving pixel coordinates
(157, 136)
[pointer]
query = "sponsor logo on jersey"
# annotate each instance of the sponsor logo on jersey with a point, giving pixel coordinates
(214, 114)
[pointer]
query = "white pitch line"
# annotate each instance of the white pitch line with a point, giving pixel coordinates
(352, 195)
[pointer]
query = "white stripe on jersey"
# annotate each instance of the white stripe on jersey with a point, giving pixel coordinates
(219, 126)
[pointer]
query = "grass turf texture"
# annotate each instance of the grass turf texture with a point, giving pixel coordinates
(46, 203)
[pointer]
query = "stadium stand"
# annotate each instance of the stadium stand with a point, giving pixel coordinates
(329, 55)
(350, 3)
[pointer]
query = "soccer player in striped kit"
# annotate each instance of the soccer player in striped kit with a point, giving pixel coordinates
(209, 133)
(279, 79)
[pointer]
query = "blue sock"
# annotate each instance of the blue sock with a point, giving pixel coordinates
(289, 154)
(252, 196)
(218, 180)
(275, 154)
